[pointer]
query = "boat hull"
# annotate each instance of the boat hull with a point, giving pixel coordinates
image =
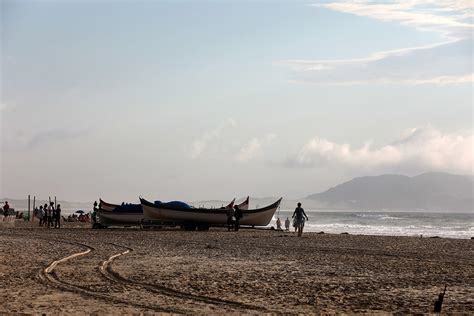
(258, 217)
(108, 218)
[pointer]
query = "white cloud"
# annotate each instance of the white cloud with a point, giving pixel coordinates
(419, 148)
(446, 62)
(447, 17)
(254, 147)
(202, 144)
(21, 140)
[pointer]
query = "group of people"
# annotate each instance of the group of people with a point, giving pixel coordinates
(234, 215)
(49, 216)
(299, 217)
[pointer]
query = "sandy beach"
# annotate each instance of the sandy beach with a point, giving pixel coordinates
(79, 270)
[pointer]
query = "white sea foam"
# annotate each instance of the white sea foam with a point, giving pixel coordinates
(385, 223)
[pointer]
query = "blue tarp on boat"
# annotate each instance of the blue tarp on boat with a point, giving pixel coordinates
(174, 204)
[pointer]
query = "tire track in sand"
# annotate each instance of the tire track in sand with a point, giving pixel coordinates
(48, 276)
(106, 269)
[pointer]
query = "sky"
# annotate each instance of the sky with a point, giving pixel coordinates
(196, 100)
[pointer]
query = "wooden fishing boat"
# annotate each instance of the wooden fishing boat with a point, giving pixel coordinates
(119, 214)
(125, 214)
(186, 214)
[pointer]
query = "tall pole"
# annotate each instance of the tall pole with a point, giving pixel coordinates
(29, 210)
(34, 207)
(55, 202)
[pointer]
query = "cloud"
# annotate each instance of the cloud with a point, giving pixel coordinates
(446, 62)
(450, 18)
(202, 144)
(21, 140)
(254, 147)
(418, 149)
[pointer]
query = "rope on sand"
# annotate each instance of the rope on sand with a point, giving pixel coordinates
(105, 264)
(49, 269)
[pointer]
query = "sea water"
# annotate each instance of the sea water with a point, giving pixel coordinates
(451, 225)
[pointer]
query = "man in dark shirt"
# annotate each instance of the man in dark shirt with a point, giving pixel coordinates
(57, 217)
(300, 218)
(238, 215)
(6, 210)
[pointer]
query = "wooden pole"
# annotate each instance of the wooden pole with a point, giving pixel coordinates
(29, 213)
(49, 200)
(34, 207)
(55, 202)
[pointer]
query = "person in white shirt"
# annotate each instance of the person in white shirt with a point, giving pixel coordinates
(50, 214)
(287, 224)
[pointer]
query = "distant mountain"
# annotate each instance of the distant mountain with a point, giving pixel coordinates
(428, 191)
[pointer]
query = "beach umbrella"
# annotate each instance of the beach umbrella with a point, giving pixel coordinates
(80, 212)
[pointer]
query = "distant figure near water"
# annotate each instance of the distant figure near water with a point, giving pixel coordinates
(278, 222)
(299, 215)
(6, 210)
(287, 224)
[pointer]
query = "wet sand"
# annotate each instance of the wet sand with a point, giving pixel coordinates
(152, 271)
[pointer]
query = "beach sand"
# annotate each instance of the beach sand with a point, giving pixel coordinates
(250, 271)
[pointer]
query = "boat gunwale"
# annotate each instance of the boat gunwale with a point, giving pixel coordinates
(208, 210)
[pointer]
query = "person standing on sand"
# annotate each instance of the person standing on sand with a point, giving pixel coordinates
(40, 215)
(57, 217)
(238, 216)
(230, 218)
(6, 210)
(94, 213)
(278, 222)
(50, 214)
(300, 216)
(287, 224)
(45, 217)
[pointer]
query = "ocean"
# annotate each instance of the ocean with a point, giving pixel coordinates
(452, 225)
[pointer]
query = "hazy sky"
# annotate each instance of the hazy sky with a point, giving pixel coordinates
(210, 100)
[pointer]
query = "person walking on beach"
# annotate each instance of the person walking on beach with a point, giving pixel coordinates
(300, 216)
(57, 217)
(238, 215)
(278, 222)
(230, 218)
(287, 224)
